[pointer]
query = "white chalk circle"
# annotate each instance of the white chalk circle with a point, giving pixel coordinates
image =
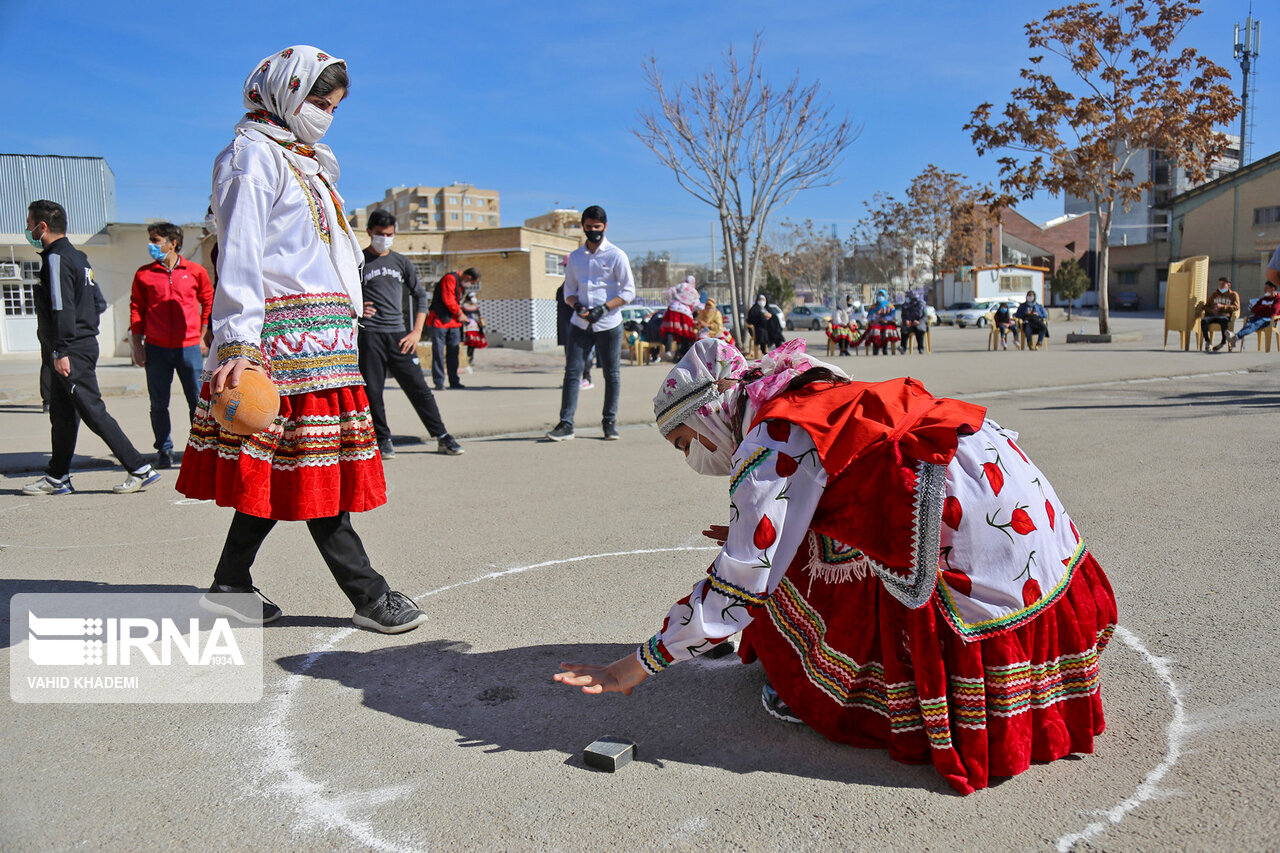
(317, 806)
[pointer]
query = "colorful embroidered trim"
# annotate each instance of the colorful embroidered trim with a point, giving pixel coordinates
(653, 655)
(1017, 688)
(311, 313)
(916, 588)
(311, 342)
(306, 442)
(313, 201)
(240, 349)
(846, 681)
(748, 465)
(731, 590)
(832, 561)
(989, 627)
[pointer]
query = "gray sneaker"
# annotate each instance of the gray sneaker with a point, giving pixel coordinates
(562, 432)
(776, 707)
(394, 613)
(448, 445)
(611, 432)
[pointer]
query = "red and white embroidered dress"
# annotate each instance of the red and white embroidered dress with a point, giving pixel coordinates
(909, 580)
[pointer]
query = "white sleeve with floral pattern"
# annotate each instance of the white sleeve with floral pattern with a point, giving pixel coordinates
(774, 490)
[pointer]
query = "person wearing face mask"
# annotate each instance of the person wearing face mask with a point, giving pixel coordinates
(597, 283)
(1220, 310)
(68, 306)
(890, 559)
(445, 318)
(1033, 318)
(169, 307)
(759, 318)
(395, 312)
(289, 292)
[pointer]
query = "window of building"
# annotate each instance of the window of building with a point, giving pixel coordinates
(438, 217)
(554, 264)
(453, 199)
(1015, 283)
(31, 270)
(493, 220)
(19, 299)
(453, 216)
(1261, 216)
(429, 270)
(466, 217)
(1127, 277)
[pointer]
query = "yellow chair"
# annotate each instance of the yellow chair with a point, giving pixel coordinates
(928, 340)
(831, 342)
(1265, 334)
(637, 348)
(1231, 324)
(1186, 290)
(754, 355)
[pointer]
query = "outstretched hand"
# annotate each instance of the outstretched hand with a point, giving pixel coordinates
(718, 533)
(621, 676)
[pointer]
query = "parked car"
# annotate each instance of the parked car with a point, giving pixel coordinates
(1127, 300)
(638, 313)
(947, 316)
(808, 317)
(977, 315)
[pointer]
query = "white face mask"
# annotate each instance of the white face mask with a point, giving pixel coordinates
(382, 244)
(713, 463)
(310, 123)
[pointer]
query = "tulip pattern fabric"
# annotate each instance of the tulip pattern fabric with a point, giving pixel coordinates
(999, 665)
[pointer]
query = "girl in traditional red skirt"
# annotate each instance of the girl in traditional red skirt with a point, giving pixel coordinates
(679, 329)
(905, 574)
(286, 305)
(473, 330)
(882, 332)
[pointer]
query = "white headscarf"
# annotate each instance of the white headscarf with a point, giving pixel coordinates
(274, 92)
(703, 388)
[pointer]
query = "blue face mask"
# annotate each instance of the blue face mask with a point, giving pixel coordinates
(156, 252)
(34, 241)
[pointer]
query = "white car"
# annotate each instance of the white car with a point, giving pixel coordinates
(977, 315)
(947, 316)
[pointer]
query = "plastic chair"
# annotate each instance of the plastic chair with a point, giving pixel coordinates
(928, 340)
(831, 342)
(637, 348)
(1265, 334)
(1231, 325)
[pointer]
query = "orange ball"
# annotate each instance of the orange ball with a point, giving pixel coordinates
(250, 407)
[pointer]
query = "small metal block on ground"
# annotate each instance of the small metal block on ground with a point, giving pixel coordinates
(609, 754)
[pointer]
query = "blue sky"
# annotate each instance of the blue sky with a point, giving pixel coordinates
(537, 101)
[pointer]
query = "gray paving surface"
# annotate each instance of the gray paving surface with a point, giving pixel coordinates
(454, 735)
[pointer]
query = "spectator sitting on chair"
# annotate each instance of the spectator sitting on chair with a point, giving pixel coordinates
(1220, 309)
(1033, 317)
(1003, 321)
(914, 320)
(1263, 314)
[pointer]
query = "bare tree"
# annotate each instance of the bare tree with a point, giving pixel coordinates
(938, 202)
(744, 146)
(803, 254)
(1133, 91)
(883, 239)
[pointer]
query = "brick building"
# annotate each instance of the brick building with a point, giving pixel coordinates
(457, 207)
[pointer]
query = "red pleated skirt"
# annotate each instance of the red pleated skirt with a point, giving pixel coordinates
(680, 326)
(862, 669)
(319, 458)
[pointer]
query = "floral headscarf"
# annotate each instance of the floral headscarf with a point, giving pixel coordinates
(705, 388)
(684, 293)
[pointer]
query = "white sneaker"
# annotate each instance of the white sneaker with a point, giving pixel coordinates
(586, 384)
(136, 481)
(47, 486)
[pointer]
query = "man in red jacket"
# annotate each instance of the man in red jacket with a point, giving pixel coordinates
(445, 319)
(168, 316)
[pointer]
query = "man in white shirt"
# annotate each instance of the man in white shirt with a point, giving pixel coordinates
(598, 282)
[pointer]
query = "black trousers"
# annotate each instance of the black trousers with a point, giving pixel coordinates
(379, 355)
(76, 397)
(1207, 323)
(341, 548)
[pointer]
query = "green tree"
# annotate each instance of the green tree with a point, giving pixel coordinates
(1069, 282)
(778, 289)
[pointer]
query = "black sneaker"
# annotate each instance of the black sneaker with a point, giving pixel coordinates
(611, 432)
(394, 613)
(562, 432)
(1220, 345)
(387, 449)
(164, 460)
(776, 707)
(457, 386)
(448, 445)
(229, 601)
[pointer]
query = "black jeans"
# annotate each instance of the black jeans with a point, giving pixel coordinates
(1206, 324)
(379, 355)
(341, 548)
(76, 397)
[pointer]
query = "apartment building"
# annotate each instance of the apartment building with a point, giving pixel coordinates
(457, 207)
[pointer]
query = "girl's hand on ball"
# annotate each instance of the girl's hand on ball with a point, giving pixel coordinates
(228, 375)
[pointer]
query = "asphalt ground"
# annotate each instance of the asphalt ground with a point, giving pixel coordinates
(526, 553)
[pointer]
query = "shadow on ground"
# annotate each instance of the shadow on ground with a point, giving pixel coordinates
(700, 713)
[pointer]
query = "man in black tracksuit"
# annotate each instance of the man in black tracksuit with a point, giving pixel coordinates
(392, 295)
(68, 304)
